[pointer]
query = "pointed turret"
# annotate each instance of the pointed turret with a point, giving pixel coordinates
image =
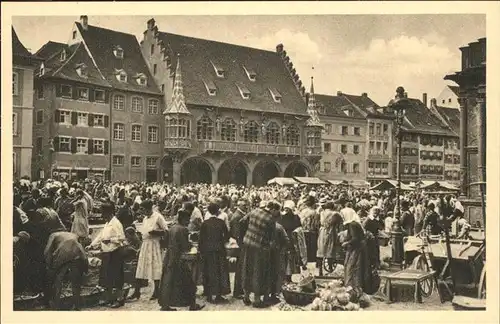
(178, 103)
(311, 108)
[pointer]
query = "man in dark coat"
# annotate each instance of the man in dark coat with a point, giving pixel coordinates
(237, 232)
(125, 214)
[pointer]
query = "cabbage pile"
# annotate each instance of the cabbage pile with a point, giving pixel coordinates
(336, 297)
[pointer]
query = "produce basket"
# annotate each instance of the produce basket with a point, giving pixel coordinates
(298, 298)
(27, 302)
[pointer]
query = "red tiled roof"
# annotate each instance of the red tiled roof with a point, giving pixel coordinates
(452, 116)
(198, 58)
(334, 106)
(423, 120)
(100, 42)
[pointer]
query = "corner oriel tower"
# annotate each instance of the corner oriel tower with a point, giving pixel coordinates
(313, 128)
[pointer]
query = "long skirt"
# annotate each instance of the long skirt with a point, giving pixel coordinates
(112, 272)
(238, 283)
(149, 263)
(326, 243)
(312, 245)
(277, 270)
(177, 288)
(255, 274)
(215, 273)
(357, 270)
(292, 263)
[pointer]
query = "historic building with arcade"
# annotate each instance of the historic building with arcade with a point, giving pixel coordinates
(233, 114)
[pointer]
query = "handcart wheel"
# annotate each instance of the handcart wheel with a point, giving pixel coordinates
(427, 286)
(482, 284)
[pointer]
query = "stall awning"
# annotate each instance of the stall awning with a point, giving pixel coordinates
(438, 186)
(337, 182)
(359, 183)
(448, 186)
(282, 181)
(391, 184)
(310, 180)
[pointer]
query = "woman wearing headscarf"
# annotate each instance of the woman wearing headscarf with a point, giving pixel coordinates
(327, 239)
(373, 225)
(149, 263)
(290, 222)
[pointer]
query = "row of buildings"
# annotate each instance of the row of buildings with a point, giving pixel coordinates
(183, 109)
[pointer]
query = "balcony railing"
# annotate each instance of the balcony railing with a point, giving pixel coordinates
(312, 151)
(177, 143)
(243, 147)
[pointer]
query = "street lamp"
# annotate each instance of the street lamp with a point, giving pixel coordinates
(398, 106)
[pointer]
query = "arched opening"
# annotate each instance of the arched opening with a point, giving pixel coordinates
(196, 170)
(167, 165)
(232, 171)
(296, 169)
(263, 172)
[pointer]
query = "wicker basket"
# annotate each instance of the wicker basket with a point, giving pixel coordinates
(298, 298)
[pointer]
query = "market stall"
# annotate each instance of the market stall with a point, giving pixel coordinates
(312, 181)
(282, 181)
(391, 185)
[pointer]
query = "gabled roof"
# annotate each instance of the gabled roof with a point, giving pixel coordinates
(452, 116)
(366, 106)
(333, 106)
(421, 119)
(201, 57)
(455, 89)
(75, 55)
(100, 42)
(50, 48)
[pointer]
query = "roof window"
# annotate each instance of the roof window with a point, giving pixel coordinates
(63, 55)
(141, 79)
(121, 75)
(118, 51)
(42, 69)
(275, 94)
(81, 70)
(348, 112)
(245, 93)
(250, 73)
(219, 71)
(211, 88)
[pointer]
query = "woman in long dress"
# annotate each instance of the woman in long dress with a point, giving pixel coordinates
(327, 237)
(149, 263)
(290, 223)
(80, 225)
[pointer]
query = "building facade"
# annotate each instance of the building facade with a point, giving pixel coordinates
(24, 65)
(234, 114)
(448, 97)
(472, 98)
(343, 140)
(97, 108)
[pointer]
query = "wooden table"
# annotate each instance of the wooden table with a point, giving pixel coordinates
(405, 278)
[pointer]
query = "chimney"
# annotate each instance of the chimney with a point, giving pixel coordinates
(279, 48)
(424, 98)
(406, 94)
(151, 23)
(339, 93)
(364, 94)
(84, 20)
(433, 102)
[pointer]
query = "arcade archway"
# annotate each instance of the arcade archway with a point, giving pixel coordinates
(167, 166)
(296, 169)
(233, 171)
(196, 170)
(264, 171)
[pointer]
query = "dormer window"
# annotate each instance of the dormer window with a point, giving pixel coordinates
(245, 93)
(211, 88)
(118, 51)
(121, 75)
(81, 70)
(219, 71)
(250, 73)
(63, 55)
(275, 94)
(141, 79)
(348, 112)
(42, 69)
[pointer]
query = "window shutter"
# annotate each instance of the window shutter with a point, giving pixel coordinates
(56, 144)
(106, 147)
(58, 91)
(90, 119)
(74, 118)
(73, 145)
(106, 96)
(106, 121)
(57, 116)
(91, 94)
(90, 146)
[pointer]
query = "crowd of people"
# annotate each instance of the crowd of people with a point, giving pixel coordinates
(278, 231)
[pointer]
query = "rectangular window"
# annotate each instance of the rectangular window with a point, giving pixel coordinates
(328, 128)
(154, 69)
(137, 104)
(372, 147)
(357, 131)
(83, 119)
(151, 162)
(378, 129)
(371, 129)
(119, 132)
(98, 120)
(386, 148)
(39, 145)
(15, 83)
(343, 149)
(152, 134)
(81, 145)
(100, 95)
(356, 149)
(98, 146)
(379, 147)
(119, 102)
(386, 129)
(64, 144)
(345, 130)
(39, 117)
(327, 167)
(355, 167)
(64, 117)
(136, 133)
(66, 91)
(39, 92)
(14, 124)
(327, 147)
(118, 160)
(153, 107)
(83, 94)
(74, 34)
(135, 161)
(163, 88)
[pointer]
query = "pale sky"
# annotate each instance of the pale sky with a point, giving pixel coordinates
(350, 53)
